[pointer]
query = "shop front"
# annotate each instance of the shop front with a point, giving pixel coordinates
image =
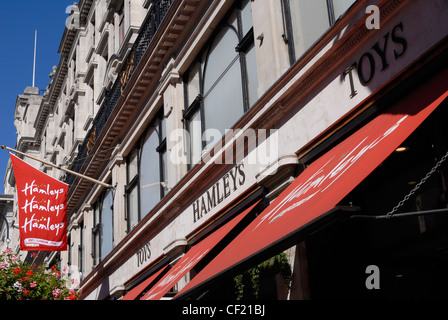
(342, 216)
(341, 207)
(355, 136)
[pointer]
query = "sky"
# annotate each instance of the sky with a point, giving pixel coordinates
(18, 22)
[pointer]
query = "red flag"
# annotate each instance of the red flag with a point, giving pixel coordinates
(42, 204)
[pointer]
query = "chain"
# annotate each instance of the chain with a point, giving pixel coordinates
(418, 185)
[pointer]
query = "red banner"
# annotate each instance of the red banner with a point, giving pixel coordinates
(42, 204)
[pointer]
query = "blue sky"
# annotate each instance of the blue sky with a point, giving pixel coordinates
(18, 22)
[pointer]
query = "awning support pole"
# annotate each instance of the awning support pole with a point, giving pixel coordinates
(400, 215)
(59, 167)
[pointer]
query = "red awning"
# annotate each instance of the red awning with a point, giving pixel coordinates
(134, 293)
(328, 180)
(192, 257)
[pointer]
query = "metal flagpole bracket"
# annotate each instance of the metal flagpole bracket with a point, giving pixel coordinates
(106, 185)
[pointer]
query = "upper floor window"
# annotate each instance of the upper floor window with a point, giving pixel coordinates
(81, 250)
(147, 173)
(121, 29)
(102, 231)
(222, 83)
(307, 21)
(153, 166)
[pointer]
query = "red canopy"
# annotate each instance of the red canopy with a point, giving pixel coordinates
(192, 257)
(131, 295)
(329, 179)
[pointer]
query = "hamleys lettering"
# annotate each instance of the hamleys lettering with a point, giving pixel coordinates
(45, 190)
(43, 205)
(221, 190)
(42, 224)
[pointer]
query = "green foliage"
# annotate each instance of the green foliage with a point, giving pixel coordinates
(239, 287)
(278, 264)
(22, 281)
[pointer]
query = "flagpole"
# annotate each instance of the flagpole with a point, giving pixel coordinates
(34, 62)
(58, 167)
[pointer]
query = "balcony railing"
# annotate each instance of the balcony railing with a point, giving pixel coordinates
(156, 13)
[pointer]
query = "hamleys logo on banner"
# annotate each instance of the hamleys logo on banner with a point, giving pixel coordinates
(44, 206)
(42, 203)
(324, 177)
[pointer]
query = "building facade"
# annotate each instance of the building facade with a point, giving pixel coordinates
(203, 115)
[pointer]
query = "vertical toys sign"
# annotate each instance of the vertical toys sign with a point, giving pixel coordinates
(42, 205)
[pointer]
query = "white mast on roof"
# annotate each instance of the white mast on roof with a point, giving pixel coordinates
(34, 63)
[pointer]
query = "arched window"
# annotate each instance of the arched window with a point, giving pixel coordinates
(222, 84)
(222, 75)
(150, 184)
(147, 173)
(102, 231)
(107, 224)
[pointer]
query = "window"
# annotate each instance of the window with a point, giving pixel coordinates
(121, 24)
(340, 6)
(96, 235)
(102, 232)
(147, 173)
(107, 234)
(132, 190)
(222, 84)
(72, 125)
(307, 21)
(152, 167)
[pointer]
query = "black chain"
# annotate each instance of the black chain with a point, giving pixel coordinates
(418, 185)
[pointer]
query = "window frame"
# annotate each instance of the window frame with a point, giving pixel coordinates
(288, 31)
(97, 229)
(96, 233)
(121, 25)
(81, 249)
(135, 182)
